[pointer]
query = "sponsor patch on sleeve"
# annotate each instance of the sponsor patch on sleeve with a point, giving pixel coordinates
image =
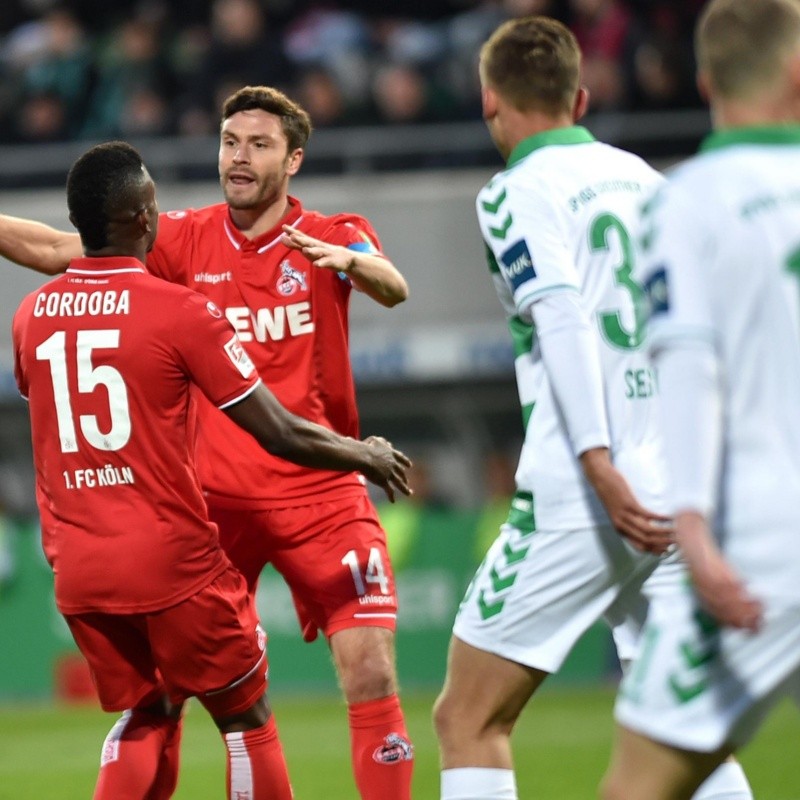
(517, 265)
(656, 289)
(238, 356)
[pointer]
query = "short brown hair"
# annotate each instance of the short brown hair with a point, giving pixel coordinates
(294, 118)
(742, 45)
(534, 63)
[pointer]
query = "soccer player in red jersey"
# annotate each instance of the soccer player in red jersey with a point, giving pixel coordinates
(283, 276)
(106, 355)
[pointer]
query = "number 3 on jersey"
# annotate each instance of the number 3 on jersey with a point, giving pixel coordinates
(90, 377)
(611, 325)
(374, 573)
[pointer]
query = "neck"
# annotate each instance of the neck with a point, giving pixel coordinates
(252, 222)
(116, 251)
(522, 126)
(762, 113)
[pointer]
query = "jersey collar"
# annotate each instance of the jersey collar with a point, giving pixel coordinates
(575, 134)
(757, 134)
(268, 239)
(105, 265)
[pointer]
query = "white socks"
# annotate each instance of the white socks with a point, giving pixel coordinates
(474, 783)
(726, 782)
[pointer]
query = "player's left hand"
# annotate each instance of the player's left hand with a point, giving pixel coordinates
(319, 253)
(389, 467)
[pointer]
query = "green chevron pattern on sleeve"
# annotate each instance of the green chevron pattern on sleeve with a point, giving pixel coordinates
(494, 269)
(523, 335)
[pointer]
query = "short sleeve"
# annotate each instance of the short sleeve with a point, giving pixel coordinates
(355, 233)
(211, 353)
(527, 241)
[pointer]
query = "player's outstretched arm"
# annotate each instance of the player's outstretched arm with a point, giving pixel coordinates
(374, 275)
(719, 588)
(296, 439)
(36, 245)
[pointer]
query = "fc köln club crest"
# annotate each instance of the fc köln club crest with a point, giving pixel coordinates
(290, 279)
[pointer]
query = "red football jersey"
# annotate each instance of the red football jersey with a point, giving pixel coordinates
(106, 355)
(292, 318)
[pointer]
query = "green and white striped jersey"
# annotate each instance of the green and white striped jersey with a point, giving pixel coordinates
(562, 217)
(721, 265)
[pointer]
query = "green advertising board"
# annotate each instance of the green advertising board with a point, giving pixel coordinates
(434, 552)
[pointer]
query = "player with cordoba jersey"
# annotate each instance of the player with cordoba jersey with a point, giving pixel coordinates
(283, 276)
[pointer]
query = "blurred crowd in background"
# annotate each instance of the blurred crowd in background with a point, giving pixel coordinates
(94, 69)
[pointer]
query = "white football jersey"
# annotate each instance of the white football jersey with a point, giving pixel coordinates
(561, 217)
(721, 266)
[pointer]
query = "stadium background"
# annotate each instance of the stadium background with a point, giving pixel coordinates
(398, 138)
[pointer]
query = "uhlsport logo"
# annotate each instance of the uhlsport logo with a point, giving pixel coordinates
(517, 264)
(394, 748)
(291, 279)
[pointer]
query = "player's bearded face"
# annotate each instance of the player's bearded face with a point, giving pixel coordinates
(253, 159)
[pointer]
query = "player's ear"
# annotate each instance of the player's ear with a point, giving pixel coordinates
(581, 103)
(488, 102)
(703, 85)
(793, 73)
(143, 222)
(294, 160)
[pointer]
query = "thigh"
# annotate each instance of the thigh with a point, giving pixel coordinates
(118, 652)
(212, 646)
(642, 769)
(337, 566)
(537, 593)
(483, 689)
(699, 687)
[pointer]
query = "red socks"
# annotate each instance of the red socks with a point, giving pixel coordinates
(381, 750)
(167, 776)
(256, 766)
(131, 761)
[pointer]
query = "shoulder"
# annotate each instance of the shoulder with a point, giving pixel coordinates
(190, 217)
(344, 228)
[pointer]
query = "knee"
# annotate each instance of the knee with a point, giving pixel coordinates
(368, 678)
(456, 724)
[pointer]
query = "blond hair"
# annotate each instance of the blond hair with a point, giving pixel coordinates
(742, 45)
(534, 63)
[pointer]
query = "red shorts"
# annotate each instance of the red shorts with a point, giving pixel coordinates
(332, 555)
(210, 646)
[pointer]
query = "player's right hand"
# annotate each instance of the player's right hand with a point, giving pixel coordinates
(388, 467)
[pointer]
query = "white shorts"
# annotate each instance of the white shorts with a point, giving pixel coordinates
(695, 686)
(536, 594)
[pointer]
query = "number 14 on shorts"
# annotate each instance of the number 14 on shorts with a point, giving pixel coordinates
(373, 574)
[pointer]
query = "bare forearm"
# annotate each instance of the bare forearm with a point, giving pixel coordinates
(311, 445)
(378, 278)
(37, 246)
(297, 440)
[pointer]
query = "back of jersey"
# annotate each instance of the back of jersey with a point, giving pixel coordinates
(105, 355)
(563, 217)
(723, 264)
